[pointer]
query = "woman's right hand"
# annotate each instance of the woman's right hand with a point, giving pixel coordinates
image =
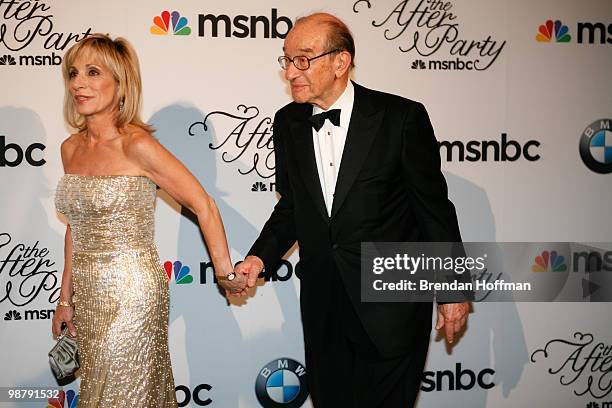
(63, 314)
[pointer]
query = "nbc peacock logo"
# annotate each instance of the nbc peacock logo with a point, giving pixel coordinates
(553, 32)
(182, 273)
(12, 315)
(259, 186)
(418, 64)
(549, 261)
(167, 21)
(7, 60)
(65, 399)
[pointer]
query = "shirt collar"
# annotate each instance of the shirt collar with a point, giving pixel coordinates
(344, 103)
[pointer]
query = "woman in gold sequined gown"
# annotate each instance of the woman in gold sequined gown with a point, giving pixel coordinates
(114, 293)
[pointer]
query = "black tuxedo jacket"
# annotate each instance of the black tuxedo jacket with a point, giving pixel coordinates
(389, 188)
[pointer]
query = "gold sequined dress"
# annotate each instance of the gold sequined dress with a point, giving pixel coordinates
(120, 292)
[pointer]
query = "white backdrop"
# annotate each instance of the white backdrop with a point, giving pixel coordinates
(542, 95)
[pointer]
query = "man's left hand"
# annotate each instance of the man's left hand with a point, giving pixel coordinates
(452, 317)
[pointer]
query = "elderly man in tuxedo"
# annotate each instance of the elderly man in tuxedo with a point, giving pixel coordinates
(353, 165)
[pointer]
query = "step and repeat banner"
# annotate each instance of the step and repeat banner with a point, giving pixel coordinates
(520, 96)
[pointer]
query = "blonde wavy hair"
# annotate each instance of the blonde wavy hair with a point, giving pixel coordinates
(119, 57)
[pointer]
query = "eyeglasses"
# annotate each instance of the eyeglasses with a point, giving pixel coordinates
(301, 62)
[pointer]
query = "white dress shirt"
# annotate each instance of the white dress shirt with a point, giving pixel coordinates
(329, 144)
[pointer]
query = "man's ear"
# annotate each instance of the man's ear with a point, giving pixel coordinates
(343, 63)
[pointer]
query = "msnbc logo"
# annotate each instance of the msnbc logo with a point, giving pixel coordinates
(68, 399)
(557, 262)
(181, 272)
(558, 29)
(161, 24)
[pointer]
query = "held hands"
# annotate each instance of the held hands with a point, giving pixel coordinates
(251, 267)
(452, 317)
(63, 314)
(246, 273)
(235, 287)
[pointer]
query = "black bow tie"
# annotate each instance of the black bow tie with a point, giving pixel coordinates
(318, 119)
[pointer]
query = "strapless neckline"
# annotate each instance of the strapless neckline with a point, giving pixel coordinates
(107, 212)
(102, 175)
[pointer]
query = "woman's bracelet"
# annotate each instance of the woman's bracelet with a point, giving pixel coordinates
(65, 303)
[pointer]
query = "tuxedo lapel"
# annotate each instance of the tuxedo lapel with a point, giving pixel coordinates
(305, 158)
(363, 128)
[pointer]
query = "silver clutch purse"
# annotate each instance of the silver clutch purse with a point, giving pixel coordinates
(64, 356)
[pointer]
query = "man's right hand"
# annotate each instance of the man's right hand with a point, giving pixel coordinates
(251, 267)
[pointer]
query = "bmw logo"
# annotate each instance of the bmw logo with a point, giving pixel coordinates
(596, 146)
(282, 384)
